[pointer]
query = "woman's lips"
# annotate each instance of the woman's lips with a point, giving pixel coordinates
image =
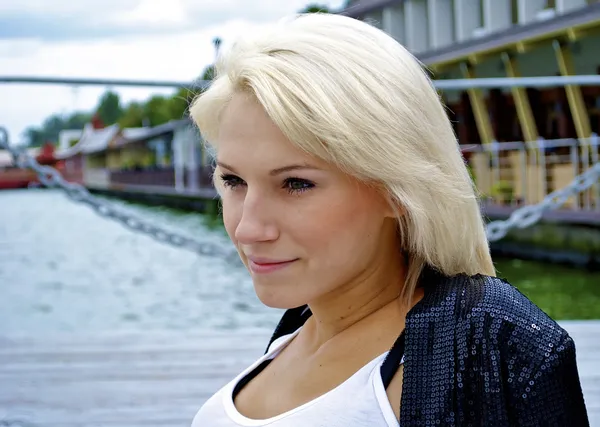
(266, 265)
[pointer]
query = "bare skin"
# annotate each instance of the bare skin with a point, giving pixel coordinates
(298, 374)
(336, 241)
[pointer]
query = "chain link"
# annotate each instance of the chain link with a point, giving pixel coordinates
(528, 215)
(52, 178)
(521, 218)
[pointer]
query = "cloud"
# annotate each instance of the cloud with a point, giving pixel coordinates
(179, 57)
(62, 20)
(138, 44)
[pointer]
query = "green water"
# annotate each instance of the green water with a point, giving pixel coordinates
(562, 292)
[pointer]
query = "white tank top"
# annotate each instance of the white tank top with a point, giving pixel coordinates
(360, 401)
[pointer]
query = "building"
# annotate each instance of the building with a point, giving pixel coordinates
(459, 39)
(169, 157)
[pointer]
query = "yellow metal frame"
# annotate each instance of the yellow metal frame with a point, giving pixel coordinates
(482, 117)
(574, 95)
(581, 120)
(524, 112)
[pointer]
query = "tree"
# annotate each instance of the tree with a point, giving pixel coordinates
(315, 8)
(133, 116)
(77, 120)
(217, 41)
(109, 108)
(34, 136)
(180, 103)
(51, 127)
(157, 110)
(209, 72)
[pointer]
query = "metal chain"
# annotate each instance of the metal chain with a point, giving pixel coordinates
(529, 215)
(52, 178)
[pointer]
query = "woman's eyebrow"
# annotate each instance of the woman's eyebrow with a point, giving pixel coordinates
(276, 171)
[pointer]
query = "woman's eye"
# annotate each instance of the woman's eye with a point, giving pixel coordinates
(231, 181)
(297, 185)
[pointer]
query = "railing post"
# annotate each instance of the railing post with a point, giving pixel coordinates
(584, 145)
(542, 154)
(523, 164)
(495, 149)
(594, 143)
(574, 154)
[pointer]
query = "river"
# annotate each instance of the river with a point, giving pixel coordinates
(63, 268)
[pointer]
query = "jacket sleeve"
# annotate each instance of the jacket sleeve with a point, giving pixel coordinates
(551, 395)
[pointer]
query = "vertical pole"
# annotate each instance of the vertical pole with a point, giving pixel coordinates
(524, 112)
(482, 117)
(594, 144)
(576, 103)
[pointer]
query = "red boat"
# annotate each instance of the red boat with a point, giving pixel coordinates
(12, 177)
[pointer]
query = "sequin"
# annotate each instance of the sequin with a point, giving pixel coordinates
(479, 353)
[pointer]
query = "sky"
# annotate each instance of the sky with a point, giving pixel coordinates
(125, 39)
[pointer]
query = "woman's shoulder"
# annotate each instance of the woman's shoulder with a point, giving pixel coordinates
(490, 309)
(481, 296)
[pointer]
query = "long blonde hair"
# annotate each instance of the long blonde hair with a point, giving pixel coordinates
(348, 93)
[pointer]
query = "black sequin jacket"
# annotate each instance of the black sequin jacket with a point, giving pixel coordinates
(479, 353)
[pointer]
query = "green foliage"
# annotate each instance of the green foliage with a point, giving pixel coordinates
(109, 108)
(209, 73)
(315, 8)
(77, 120)
(49, 130)
(180, 102)
(133, 116)
(156, 110)
(504, 191)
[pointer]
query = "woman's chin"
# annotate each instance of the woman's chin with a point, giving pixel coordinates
(281, 298)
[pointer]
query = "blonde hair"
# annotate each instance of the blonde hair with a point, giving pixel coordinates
(348, 93)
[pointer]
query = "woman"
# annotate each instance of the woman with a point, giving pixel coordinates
(346, 196)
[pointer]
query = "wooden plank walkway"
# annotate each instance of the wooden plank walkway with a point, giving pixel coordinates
(160, 379)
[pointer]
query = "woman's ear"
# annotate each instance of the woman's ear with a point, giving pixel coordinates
(391, 207)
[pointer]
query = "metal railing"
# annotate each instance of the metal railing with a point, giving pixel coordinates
(529, 171)
(447, 84)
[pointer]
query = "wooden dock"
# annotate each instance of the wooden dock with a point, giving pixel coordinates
(160, 379)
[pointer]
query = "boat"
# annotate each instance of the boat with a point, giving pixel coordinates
(12, 177)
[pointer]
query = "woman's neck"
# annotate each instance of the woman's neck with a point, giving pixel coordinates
(369, 298)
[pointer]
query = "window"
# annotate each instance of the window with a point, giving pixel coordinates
(550, 4)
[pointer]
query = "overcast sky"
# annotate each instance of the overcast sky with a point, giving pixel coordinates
(133, 39)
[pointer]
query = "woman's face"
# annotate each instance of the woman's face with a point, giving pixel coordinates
(303, 228)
